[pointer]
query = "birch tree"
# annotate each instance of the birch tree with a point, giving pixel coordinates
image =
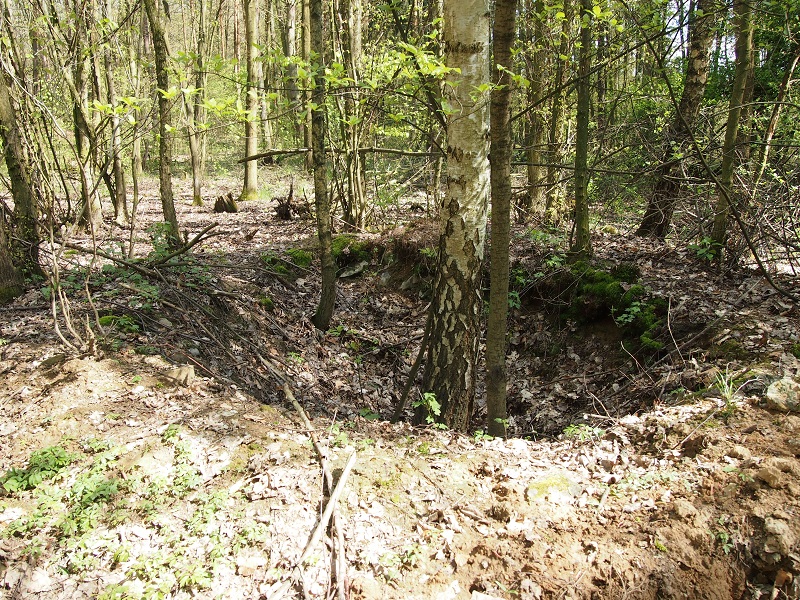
(457, 306)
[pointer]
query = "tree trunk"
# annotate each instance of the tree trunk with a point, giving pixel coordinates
(350, 30)
(91, 211)
(535, 138)
(24, 245)
(120, 199)
(457, 306)
(194, 107)
(582, 243)
(250, 189)
(554, 207)
(307, 125)
(660, 207)
(744, 47)
(164, 150)
(11, 282)
(501, 148)
(769, 133)
(327, 301)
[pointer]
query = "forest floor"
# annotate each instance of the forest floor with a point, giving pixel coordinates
(160, 458)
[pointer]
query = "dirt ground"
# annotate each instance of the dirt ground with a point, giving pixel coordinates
(185, 472)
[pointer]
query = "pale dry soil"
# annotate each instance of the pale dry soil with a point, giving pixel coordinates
(208, 486)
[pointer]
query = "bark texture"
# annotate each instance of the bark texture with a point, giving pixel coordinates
(24, 249)
(501, 139)
(742, 12)
(456, 309)
(164, 148)
(250, 190)
(667, 189)
(327, 301)
(582, 243)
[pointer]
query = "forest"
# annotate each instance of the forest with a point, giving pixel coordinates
(406, 299)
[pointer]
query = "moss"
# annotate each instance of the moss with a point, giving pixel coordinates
(729, 350)
(627, 272)
(266, 302)
(302, 258)
(348, 250)
(795, 350)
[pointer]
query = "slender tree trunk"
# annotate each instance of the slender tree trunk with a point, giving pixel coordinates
(267, 76)
(290, 51)
(554, 207)
(134, 58)
(91, 210)
(535, 134)
(501, 148)
(769, 133)
(349, 21)
(194, 107)
(327, 301)
(307, 125)
(667, 189)
(582, 242)
(250, 189)
(457, 306)
(164, 149)
(120, 199)
(742, 11)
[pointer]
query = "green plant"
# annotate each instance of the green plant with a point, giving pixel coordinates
(583, 432)
(514, 300)
(368, 414)
(433, 409)
(340, 438)
(295, 358)
(42, 465)
(481, 436)
(795, 350)
(724, 540)
(630, 314)
(706, 249)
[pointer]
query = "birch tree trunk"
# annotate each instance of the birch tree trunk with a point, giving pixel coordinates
(457, 306)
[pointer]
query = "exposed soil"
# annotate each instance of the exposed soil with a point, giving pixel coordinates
(664, 475)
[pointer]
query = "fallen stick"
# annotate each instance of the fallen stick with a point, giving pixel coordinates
(340, 554)
(321, 526)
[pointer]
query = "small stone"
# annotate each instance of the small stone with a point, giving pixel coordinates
(793, 444)
(248, 564)
(684, 509)
(780, 539)
(183, 375)
(771, 476)
(740, 452)
(784, 395)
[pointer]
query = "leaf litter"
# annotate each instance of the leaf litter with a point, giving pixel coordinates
(668, 480)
